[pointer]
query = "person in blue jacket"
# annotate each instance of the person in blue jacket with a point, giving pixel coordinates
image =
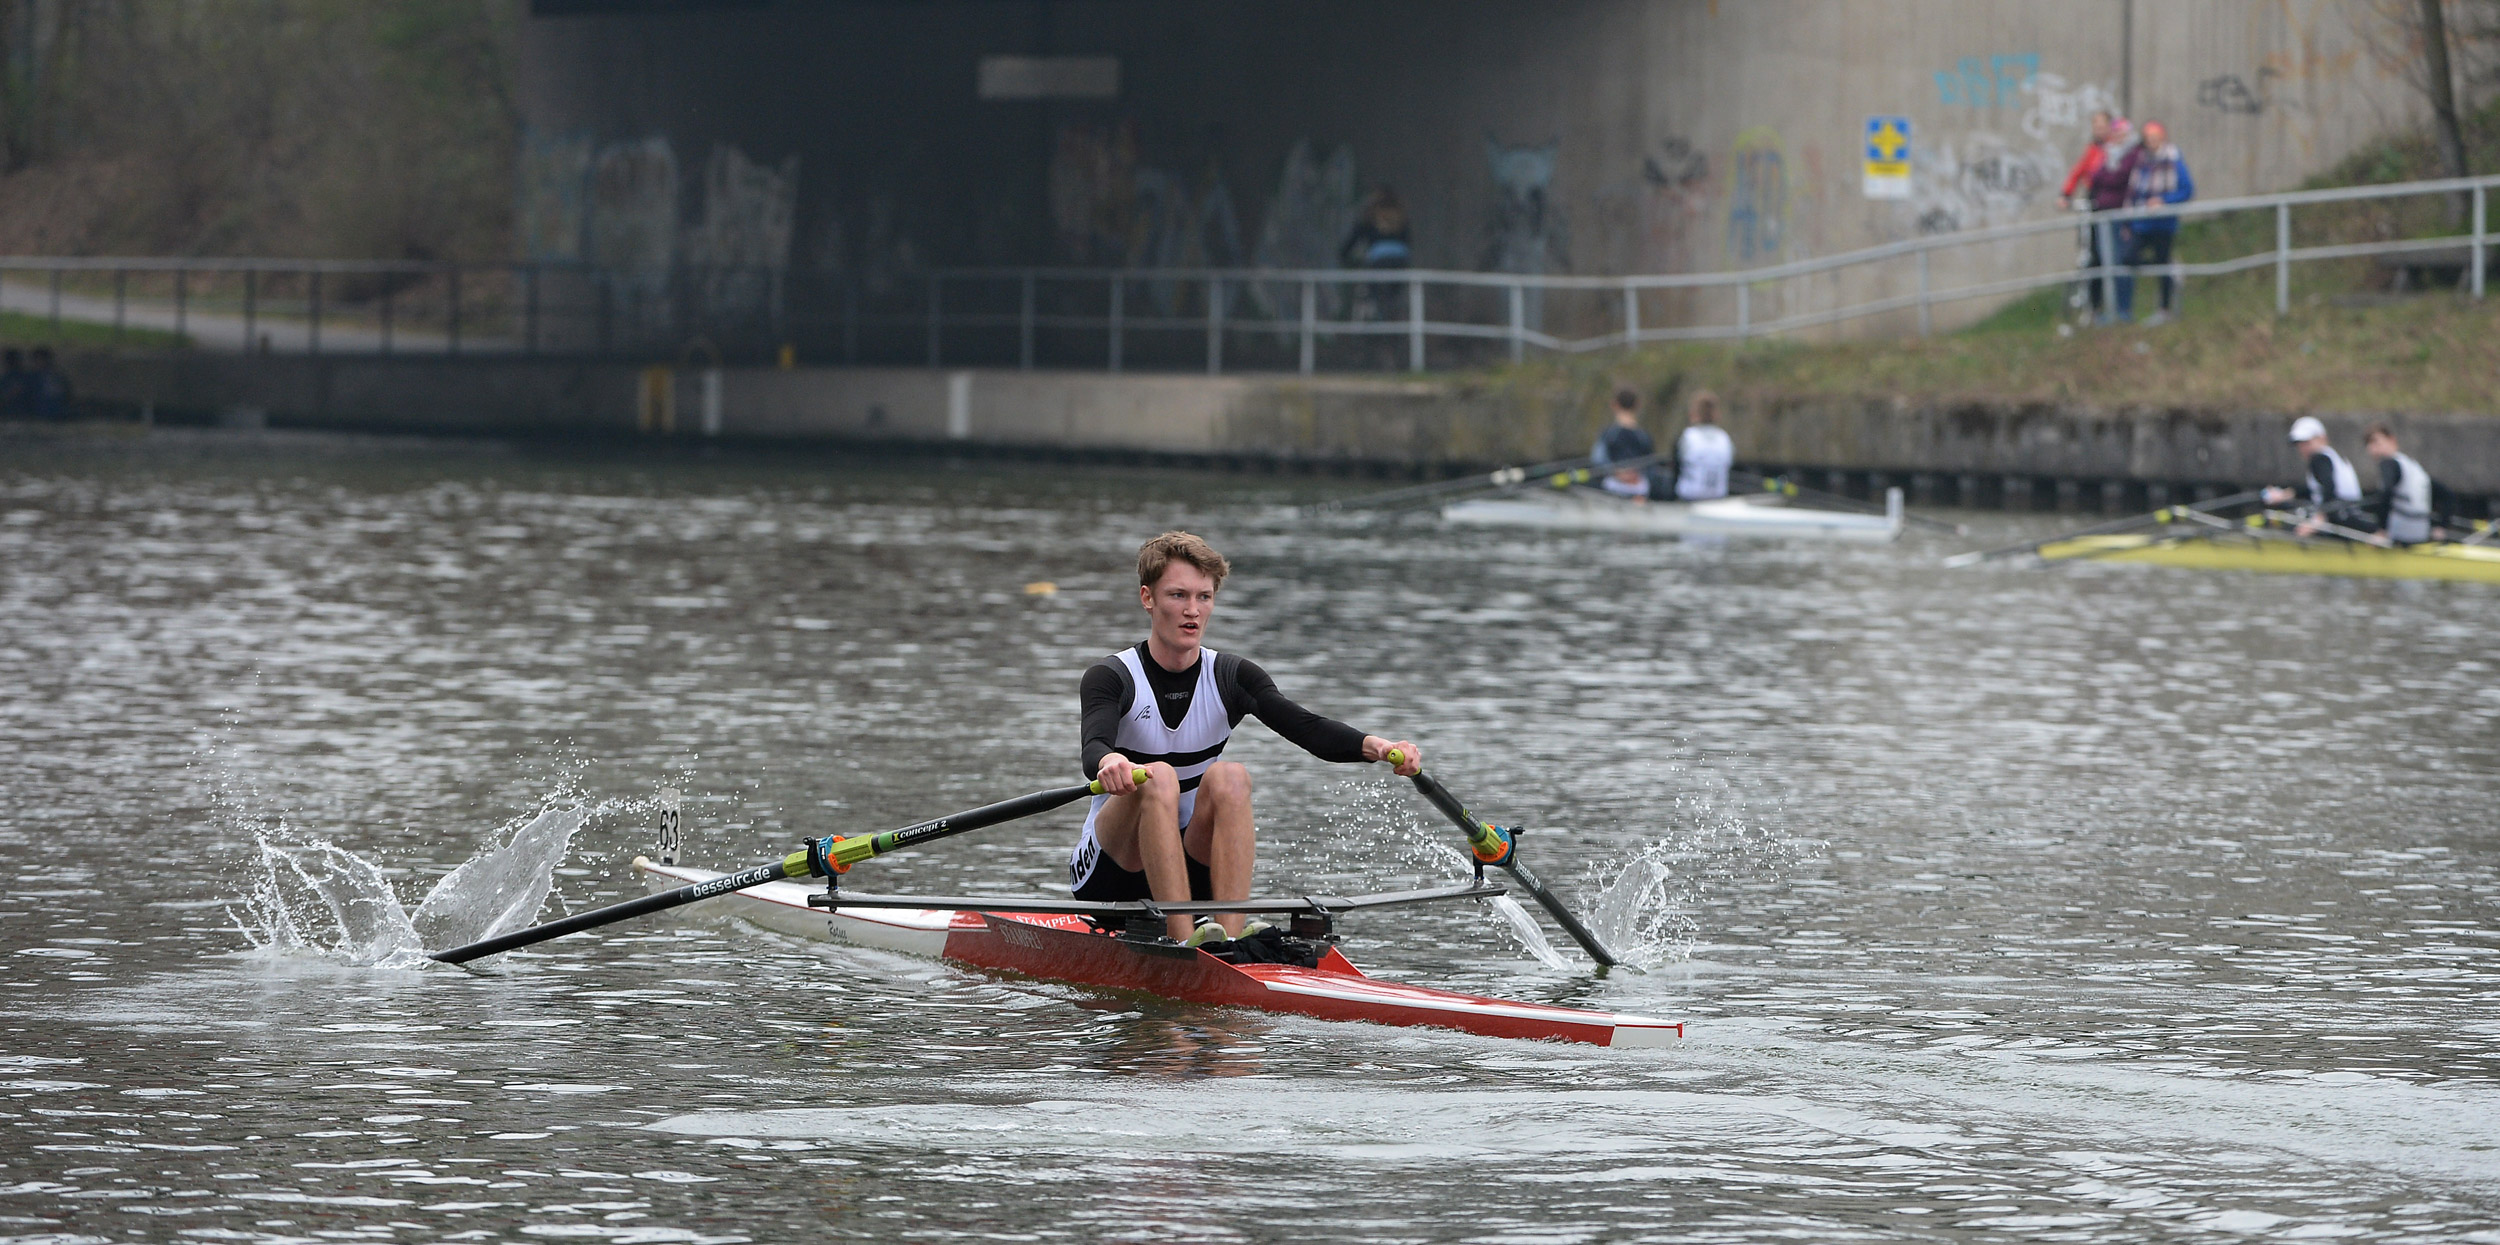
(2161, 176)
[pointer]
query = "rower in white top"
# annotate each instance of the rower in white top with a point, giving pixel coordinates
(2400, 511)
(1166, 707)
(1704, 453)
(2333, 487)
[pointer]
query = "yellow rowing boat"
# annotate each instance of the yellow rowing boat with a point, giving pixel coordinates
(2287, 555)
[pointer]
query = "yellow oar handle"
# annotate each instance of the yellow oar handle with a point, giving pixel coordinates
(1395, 757)
(1135, 775)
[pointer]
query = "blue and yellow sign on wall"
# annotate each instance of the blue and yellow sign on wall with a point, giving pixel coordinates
(1887, 157)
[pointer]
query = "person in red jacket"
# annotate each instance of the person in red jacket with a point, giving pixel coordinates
(2090, 161)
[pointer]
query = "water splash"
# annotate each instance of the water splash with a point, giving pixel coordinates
(316, 897)
(1647, 909)
(1531, 936)
(500, 889)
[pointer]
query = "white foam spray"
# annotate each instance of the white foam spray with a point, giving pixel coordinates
(316, 897)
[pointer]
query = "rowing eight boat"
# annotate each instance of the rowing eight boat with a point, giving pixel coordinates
(2281, 554)
(1062, 940)
(1755, 515)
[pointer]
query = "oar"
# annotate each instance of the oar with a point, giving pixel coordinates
(2164, 515)
(1493, 845)
(1786, 487)
(831, 854)
(1501, 477)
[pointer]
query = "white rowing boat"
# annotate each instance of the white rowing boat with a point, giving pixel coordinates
(1767, 516)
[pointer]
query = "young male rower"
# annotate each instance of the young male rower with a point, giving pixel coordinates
(2401, 508)
(1623, 442)
(1167, 706)
(2334, 488)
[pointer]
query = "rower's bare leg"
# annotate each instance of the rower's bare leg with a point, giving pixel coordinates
(1137, 831)
(1221, 835)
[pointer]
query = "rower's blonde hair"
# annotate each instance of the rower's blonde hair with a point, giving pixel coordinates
(1157, 555)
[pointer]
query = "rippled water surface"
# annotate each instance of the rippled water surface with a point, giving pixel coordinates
(2096, 903)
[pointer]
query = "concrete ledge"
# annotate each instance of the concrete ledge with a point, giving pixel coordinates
(1414, 425)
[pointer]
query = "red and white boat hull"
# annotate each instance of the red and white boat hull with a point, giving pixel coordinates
(1068, 948)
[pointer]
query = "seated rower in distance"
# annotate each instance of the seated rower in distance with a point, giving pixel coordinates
(1167, 706)
(2400, 511)
(1624, 441)
(2333, 487)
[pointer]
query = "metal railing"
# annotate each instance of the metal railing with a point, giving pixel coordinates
(1210, 318)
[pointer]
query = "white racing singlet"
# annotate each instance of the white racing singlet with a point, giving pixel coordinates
(2409, 503)
(1188, 748)
(1704, 454)
(2347, 481)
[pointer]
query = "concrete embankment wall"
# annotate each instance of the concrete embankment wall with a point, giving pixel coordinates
(2021, 455)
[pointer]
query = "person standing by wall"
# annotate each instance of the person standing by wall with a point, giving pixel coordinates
(1379, 241)
(2161, 176)
(2109, 184)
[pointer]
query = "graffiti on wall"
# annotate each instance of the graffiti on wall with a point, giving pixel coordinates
(2052, 107)
(1109, 207)
(1308, 217)
(554, 186)
(1996, 82)
(1758, 197)
(1093, 188)
(1647, 222)
(737, 252)
(2227, 93)
(633, 228)
(1981, 177)
(1524, 230)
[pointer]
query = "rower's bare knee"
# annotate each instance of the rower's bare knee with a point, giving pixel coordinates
(1225, 782)
(1161, 782)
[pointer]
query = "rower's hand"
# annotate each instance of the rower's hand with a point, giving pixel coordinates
(2308, 527)
(1410, 757)
(1117, 774)
(2278, 496)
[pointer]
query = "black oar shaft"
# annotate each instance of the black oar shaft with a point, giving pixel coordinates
(627, 910)
(1488, 845)
(841, 852)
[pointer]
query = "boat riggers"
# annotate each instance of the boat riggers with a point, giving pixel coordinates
(822, 858)
(1498, 847)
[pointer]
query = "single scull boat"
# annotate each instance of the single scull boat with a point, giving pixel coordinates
(1066, 940)
(1758, 516)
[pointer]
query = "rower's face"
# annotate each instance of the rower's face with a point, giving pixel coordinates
(1179, 604)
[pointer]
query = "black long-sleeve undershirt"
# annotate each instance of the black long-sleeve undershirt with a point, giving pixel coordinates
(1106, 690)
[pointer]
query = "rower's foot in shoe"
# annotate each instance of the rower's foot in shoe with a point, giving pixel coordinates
(1253, 927)
(1207, 932)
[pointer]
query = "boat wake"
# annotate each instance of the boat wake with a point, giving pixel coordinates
(318, 898)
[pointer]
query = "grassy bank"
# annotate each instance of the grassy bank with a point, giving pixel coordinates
(2351, 342)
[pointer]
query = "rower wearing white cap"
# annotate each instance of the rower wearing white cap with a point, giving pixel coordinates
(2333, 486)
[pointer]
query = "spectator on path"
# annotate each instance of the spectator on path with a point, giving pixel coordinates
(1379, 241)
(47, 390)
(1704, 453)
(14, 384)
(1625, 442)
(2161, 176)
(2108, 185)
(2103, 124)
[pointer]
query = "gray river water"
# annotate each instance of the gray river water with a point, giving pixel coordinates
(2100, 903)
